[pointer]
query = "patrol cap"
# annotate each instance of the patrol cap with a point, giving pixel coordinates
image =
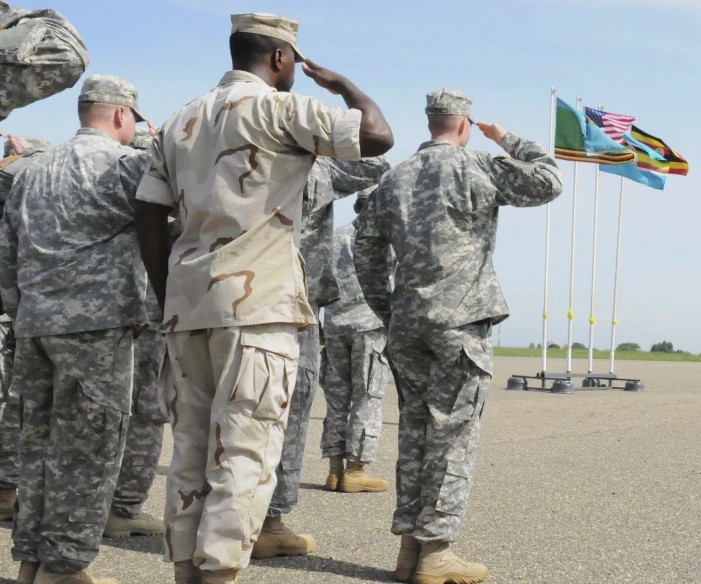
(365, 193)
(450, 102)
(113, 91)
(34, 143)
(142, 139)
(278, 27)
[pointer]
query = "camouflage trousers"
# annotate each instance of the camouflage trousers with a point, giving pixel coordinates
(229, 405)
(76, 397)
(444, 378)
(9, 411)
(355, 386)
(145, 434)
(289, 471)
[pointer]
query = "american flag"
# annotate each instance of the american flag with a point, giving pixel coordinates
(613, 125)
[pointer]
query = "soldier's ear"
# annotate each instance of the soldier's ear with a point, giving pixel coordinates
(276, 60)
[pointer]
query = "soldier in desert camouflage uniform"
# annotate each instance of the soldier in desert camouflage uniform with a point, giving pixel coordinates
(438, 211)
(329, 180)
(357, 376)
(17, 155)
(145, 436)
(41, 54)
(235, 162)
(72, 279)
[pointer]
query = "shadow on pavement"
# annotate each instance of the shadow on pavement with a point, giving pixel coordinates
(143, 544)
(312, 487)
(328, 566)
(321, 419)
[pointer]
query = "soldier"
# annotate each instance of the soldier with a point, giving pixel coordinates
(357, 377)
(145, 435)
(235, 162)
(329, 180)
(41, 54)
(438, 211)
(18, 154)
(72, 280)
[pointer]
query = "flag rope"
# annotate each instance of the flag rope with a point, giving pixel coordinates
(614, 318)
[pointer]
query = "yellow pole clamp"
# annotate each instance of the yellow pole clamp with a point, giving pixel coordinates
(570, 314)
(545, 316)
(614, 322)
(592, 320)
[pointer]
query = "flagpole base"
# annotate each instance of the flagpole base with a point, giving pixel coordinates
(517, 384)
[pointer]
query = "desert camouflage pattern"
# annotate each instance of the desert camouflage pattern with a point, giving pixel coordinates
(350, 314)
(9, 411)
(233, 162)
(444, 378)
(449, 102)
(331, 179)
(228, 410)
(439, 211)
(41, 54)
(354, 388)
(74, 225)
(145, 436)
(270, 25)
(76, 396)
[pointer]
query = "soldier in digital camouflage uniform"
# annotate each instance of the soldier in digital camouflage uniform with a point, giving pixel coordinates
(41, 54)
(144, 441)
(235, 162)
(72, 280)
(11, 164)
(357, 377)
(329, 180)
(438, 211)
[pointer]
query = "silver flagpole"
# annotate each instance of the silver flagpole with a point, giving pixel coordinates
(553, 111)
(614, 321)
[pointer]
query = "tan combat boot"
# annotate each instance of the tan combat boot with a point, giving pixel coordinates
(276, 539)
(7, 504)
(335, 473)
(141, 524)
(220, 577)
(438, 565)
(357, 480)
(44, 576)
(27, 572)
(187, 573)
(408, 559)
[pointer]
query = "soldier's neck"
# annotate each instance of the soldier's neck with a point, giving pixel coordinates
(452, 138)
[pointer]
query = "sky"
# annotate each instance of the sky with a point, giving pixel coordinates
(636, 57)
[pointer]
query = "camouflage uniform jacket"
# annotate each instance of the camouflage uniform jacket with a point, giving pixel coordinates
(41, 54)
(330, 179)
(439, 210)
(69, 259)
(235, 162)
(350, 314)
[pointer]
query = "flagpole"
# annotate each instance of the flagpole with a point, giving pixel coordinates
(548, 215)
(614, 321)
(592, 319)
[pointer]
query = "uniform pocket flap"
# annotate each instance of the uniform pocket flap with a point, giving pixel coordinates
(84, 516)
(479, 354)
(458, 468)
(19, 43)
(282, 342)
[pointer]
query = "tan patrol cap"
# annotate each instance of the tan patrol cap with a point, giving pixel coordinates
(270, 25)
(113, 91)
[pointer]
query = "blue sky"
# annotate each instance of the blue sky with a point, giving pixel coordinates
(635, 57)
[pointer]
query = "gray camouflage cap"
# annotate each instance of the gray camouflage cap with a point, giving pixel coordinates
(37, 144)
(450, 102)
(270, 25)
(142, 139)
(111, 90)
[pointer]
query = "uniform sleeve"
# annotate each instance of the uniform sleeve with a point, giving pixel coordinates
(373, 263)
(8, 251)
(155, 184)
(528, 179)
(307, 123)
(131, 171)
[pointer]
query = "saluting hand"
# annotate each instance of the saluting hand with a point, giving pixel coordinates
(153, 130)
(324, 77)
(18, 144)
(492, 131)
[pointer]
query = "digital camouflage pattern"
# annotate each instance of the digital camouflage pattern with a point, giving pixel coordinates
(76, 395)
(354, 388)
(111, 90)
(35, 145)
(142, 139)
(439, 212)
(12, 164)
(9, 411)
(41, 54)
(449, 102)
(228, 413)
(74, 225)
(233, 162)
(331, 179)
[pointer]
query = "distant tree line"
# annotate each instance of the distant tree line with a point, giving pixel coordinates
(663, 347)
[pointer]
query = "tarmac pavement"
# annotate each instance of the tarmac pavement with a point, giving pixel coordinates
(596, 487)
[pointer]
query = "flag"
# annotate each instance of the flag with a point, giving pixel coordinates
(677, 164)
(650, 168)
(613, 125)
(580, 140)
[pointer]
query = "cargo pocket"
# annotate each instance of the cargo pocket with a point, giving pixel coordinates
(475, 360)
(19, 44)
(379, 372)
(452, 498)
(98, 428)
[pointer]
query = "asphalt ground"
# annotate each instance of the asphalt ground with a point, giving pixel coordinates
(596, 487)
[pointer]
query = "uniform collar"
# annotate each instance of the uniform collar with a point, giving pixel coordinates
(240, 76)
(435, 143)
(93, 132)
